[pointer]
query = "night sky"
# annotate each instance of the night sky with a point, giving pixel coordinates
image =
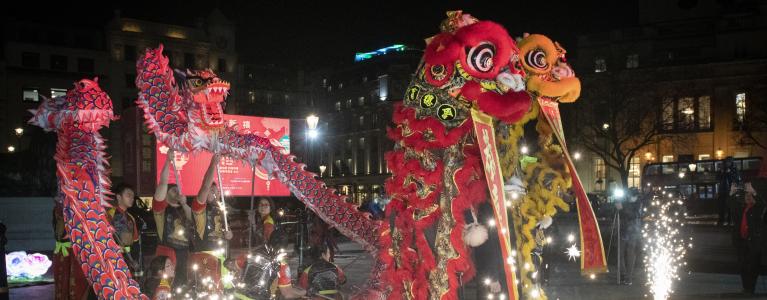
(319, 33)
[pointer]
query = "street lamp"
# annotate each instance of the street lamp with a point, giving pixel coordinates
(19, 131)
(311, 135)
(577, 155)
(11, 149)
(619, 193)
(692, 167)
(605, 126)
(719, 153)
(322, 169)
(311, 124)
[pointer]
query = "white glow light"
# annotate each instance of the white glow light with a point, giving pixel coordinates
(573, 252)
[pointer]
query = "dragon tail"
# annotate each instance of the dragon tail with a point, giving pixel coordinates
(330, 207)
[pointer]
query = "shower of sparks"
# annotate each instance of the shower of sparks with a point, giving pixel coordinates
(665, 248)
(573, 252)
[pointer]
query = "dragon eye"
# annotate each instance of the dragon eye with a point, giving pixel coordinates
(480, 57)
(196, 82)
(536, 59)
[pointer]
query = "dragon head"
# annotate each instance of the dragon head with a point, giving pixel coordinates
(207, 93)
(86, 107)
(477, 61)
(549, 75)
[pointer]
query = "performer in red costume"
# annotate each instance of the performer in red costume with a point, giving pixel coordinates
(210, 234)
(174, 223)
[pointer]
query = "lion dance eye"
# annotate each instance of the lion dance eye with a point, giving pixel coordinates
(196, 82)
(480, 57)
(536, 59)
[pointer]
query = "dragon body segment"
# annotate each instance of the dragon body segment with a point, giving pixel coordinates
(84, 183)
(184, 112)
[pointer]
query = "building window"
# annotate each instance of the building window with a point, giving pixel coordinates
(287, 99)
(338, 105)
(740, 108)
(348, 103)
(268, 98)
(30, 60)
(361, 101)
(600, 174)
(340, 85)
(252, 96)
(349, 144)
(30, 95)
(362, 120)
(686, 114)
(632, 61)
(667, 168)
(338, 167)
(634, 172)
(600, 65)
(85, 65)
(58, 93)
(668, 114)
(222, 65)
(189, 60)
(704, 156)
(704, 112)
(130, 53)
(324, 82)
(383, 87)
(364, 79)
(58, 62)
(362, 143)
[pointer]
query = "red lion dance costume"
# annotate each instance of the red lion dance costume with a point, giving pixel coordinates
(473, 73)
(84, 182)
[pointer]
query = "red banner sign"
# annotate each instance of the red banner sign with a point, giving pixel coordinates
(485, 133)
(236, 175)
(592, 250)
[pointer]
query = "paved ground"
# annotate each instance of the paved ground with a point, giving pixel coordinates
(711, 274)
(565, 283)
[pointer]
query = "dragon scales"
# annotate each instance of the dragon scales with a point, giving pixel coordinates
(84, 182)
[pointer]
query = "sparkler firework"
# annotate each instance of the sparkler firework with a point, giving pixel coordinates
(664, 247)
